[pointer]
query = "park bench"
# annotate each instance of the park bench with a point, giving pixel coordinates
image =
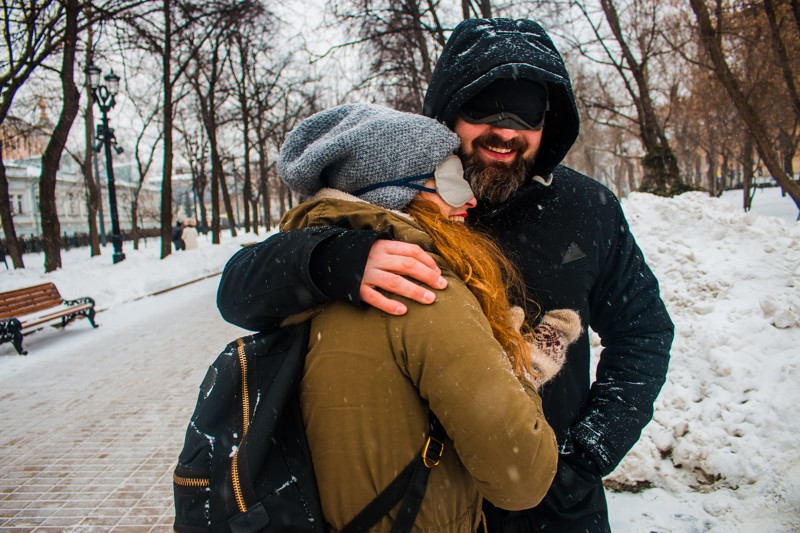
(23, 309)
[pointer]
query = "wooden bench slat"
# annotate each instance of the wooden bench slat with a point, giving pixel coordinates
(29, 309)
(19, 300)
(61, 311)
(45, 287)
(29, 300)
(35, 321)
(13, 300)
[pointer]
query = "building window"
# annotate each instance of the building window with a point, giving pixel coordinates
(16, 204)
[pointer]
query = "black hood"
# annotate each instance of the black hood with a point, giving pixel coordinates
(483, 50)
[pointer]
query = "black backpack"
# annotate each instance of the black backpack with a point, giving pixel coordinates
(245, 464)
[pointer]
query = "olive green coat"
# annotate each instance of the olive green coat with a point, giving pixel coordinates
(369, 378)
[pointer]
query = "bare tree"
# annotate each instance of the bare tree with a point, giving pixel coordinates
(661, 173)
(711, 40)
(244, 54)
(51, 159)
(162, 34)
(195, 151)
(267, 83)
(788, 135)
(206, 79)
(476, 9)
(12, 244)
(167, 107)
(401, 38)
(782, 54)
(144, 150)
(31, 33)
(255, 71)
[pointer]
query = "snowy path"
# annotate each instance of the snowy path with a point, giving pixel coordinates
(92, 420)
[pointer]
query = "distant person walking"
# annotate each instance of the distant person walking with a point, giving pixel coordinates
(177, 238)
(189, 234)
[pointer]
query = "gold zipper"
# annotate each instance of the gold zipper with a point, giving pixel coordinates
(235, 481)
(190, 481)
(237, 485)
(245, 391)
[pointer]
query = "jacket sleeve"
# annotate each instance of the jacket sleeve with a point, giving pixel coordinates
(290, 272)
(497, 426)
(636, 333)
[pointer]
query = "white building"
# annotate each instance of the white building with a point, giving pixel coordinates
(23, 187)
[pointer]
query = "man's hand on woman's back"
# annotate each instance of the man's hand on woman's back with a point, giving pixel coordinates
(388, 264)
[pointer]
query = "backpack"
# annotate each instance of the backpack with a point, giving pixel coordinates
(245, 465)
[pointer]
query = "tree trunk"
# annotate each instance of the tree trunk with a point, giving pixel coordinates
(226, 199)
(51, 228)
(247, 190)
(135, 220)
(263, 183)
(711, 159)
(200, 192)
(485, 8)
(632, 185)
(747, 172)
(12, 244)
(166, 181)
(796, 13)
(254, 210)
(92, 193)
(787, 150)
(782, 57)
(698, 171)
(281, 199)
(749, 115)
(216, 171)
(422, 44)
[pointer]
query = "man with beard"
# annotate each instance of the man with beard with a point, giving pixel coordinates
(502, 86)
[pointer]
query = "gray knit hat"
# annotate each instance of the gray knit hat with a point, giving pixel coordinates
(354, 147)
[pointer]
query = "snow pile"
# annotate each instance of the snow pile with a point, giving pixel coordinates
(726, 420)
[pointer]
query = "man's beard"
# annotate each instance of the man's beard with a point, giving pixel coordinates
(496, 182)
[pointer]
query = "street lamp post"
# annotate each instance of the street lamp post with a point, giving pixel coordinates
(104, 96)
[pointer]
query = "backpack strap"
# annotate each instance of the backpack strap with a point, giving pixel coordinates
(409, 486)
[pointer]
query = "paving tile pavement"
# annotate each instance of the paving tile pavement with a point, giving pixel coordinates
(93, 421)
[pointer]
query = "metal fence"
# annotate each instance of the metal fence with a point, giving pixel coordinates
(35, 244)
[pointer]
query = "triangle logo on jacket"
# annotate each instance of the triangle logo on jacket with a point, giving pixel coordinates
(573, 253)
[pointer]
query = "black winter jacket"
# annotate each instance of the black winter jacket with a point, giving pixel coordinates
(565, 232)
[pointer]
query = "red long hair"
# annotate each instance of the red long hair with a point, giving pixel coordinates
(484, 269)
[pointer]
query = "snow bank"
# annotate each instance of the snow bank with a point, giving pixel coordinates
(726, 421)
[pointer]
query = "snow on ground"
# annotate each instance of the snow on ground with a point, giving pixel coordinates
(766, 201)
(721, 453)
